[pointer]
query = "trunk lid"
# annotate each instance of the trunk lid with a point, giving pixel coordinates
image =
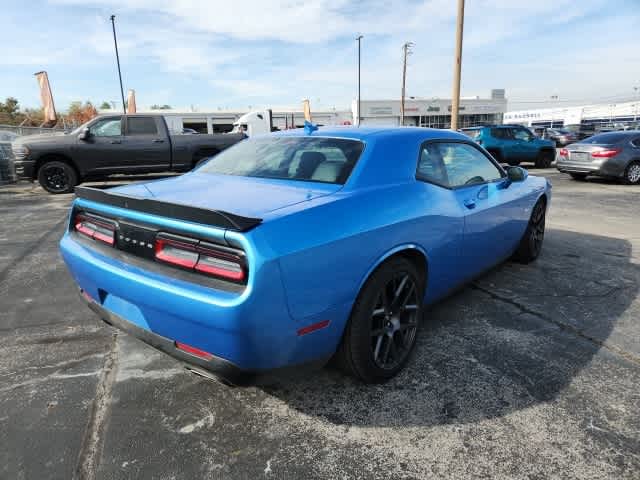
(243, 196)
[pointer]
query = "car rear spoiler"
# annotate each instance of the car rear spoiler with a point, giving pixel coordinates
(178, 211)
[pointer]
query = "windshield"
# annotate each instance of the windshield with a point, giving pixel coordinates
(606, 138)
(327, 160)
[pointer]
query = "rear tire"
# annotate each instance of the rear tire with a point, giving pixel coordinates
(57, 177)
(531, 242)
(382, 329)
(632, 174)
(545, 158)
(580, 177)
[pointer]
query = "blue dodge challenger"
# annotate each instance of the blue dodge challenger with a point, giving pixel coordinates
(302, 246)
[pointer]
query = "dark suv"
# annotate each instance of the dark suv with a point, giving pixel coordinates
(513, 144)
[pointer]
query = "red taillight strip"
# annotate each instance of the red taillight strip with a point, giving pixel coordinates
(201, 258)
(607, 153)
(196, 352)
(83, 225)
(313, 327)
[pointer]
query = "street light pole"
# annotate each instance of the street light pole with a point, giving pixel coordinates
(115, 42)
(358, 38)
(457, 67)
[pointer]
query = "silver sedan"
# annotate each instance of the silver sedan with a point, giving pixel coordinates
(611, 154)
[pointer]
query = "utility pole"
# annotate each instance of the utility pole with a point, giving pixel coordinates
(358, 38)
(457, 67)
(406, 49)
(115, 42)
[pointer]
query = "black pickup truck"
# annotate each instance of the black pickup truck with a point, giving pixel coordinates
(112, 144)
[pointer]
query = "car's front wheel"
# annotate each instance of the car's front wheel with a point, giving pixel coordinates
(632, 173)
(384, 322)
(531, 242)
(57, 177)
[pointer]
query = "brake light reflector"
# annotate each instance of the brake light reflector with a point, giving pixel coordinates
(313, 327)
(564, 152)
(196, 352)
(206, 258)
(95, 228)
(606, 153)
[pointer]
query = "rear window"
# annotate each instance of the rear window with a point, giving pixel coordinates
(327, 160)
(141, 126)
(606, 138)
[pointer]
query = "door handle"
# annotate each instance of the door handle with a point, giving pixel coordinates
(158, 140)
(116, 141)
(469, 203)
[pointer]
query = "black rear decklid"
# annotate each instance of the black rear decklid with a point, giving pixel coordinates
(178, 211)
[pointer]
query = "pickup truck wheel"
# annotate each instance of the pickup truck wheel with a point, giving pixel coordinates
(544, 159)
(57, 177)
(382, 330)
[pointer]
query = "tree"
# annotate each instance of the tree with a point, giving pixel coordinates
(160, 107)
(80, 113)
(105, 106)
(9, 111)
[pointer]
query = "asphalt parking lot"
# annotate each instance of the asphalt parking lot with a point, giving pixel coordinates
(531, 372)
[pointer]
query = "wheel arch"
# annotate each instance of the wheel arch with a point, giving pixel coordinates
(411, 251)
(57, 157)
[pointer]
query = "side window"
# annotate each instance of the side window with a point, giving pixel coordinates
(521, 134)
(107, 127)
(455, 165)
(141, 126)
(501, 133)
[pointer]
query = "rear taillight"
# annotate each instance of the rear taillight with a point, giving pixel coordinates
(202, 257)
(98, 229)
(606, 153)
(564, 152)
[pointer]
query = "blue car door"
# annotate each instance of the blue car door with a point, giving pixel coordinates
(489, 205)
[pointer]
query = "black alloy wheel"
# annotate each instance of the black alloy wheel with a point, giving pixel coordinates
(531, 243)
(57, 177)
(393, 322)
(384, 323)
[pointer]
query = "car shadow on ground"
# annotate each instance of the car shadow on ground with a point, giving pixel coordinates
(514, 338)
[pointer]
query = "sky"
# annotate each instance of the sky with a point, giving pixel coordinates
(217, 54)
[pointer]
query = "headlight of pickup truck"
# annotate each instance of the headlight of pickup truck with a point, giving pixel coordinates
(20, 152)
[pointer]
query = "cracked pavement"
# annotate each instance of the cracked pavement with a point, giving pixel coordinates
(530, 372)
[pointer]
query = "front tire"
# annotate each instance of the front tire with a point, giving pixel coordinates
(531, 242)
(383, 327)
(545, 158)
(632, 174)
(57, 177)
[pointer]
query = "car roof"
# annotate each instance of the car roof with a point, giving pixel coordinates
(378, 133)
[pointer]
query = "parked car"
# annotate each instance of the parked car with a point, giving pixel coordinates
(513, 144)
(112, 144)
(560, 136)
(292, 248)
(610, 154)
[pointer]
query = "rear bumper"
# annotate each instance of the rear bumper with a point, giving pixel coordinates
(607, 168)
(249, 333)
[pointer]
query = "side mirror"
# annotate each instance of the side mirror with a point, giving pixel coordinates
(84, 134)
(517, 174)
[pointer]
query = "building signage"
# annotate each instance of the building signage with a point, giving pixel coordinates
(381, 111)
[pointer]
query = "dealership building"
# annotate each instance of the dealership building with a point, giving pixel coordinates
(605, 114)
(433, 112)
(420, 112)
